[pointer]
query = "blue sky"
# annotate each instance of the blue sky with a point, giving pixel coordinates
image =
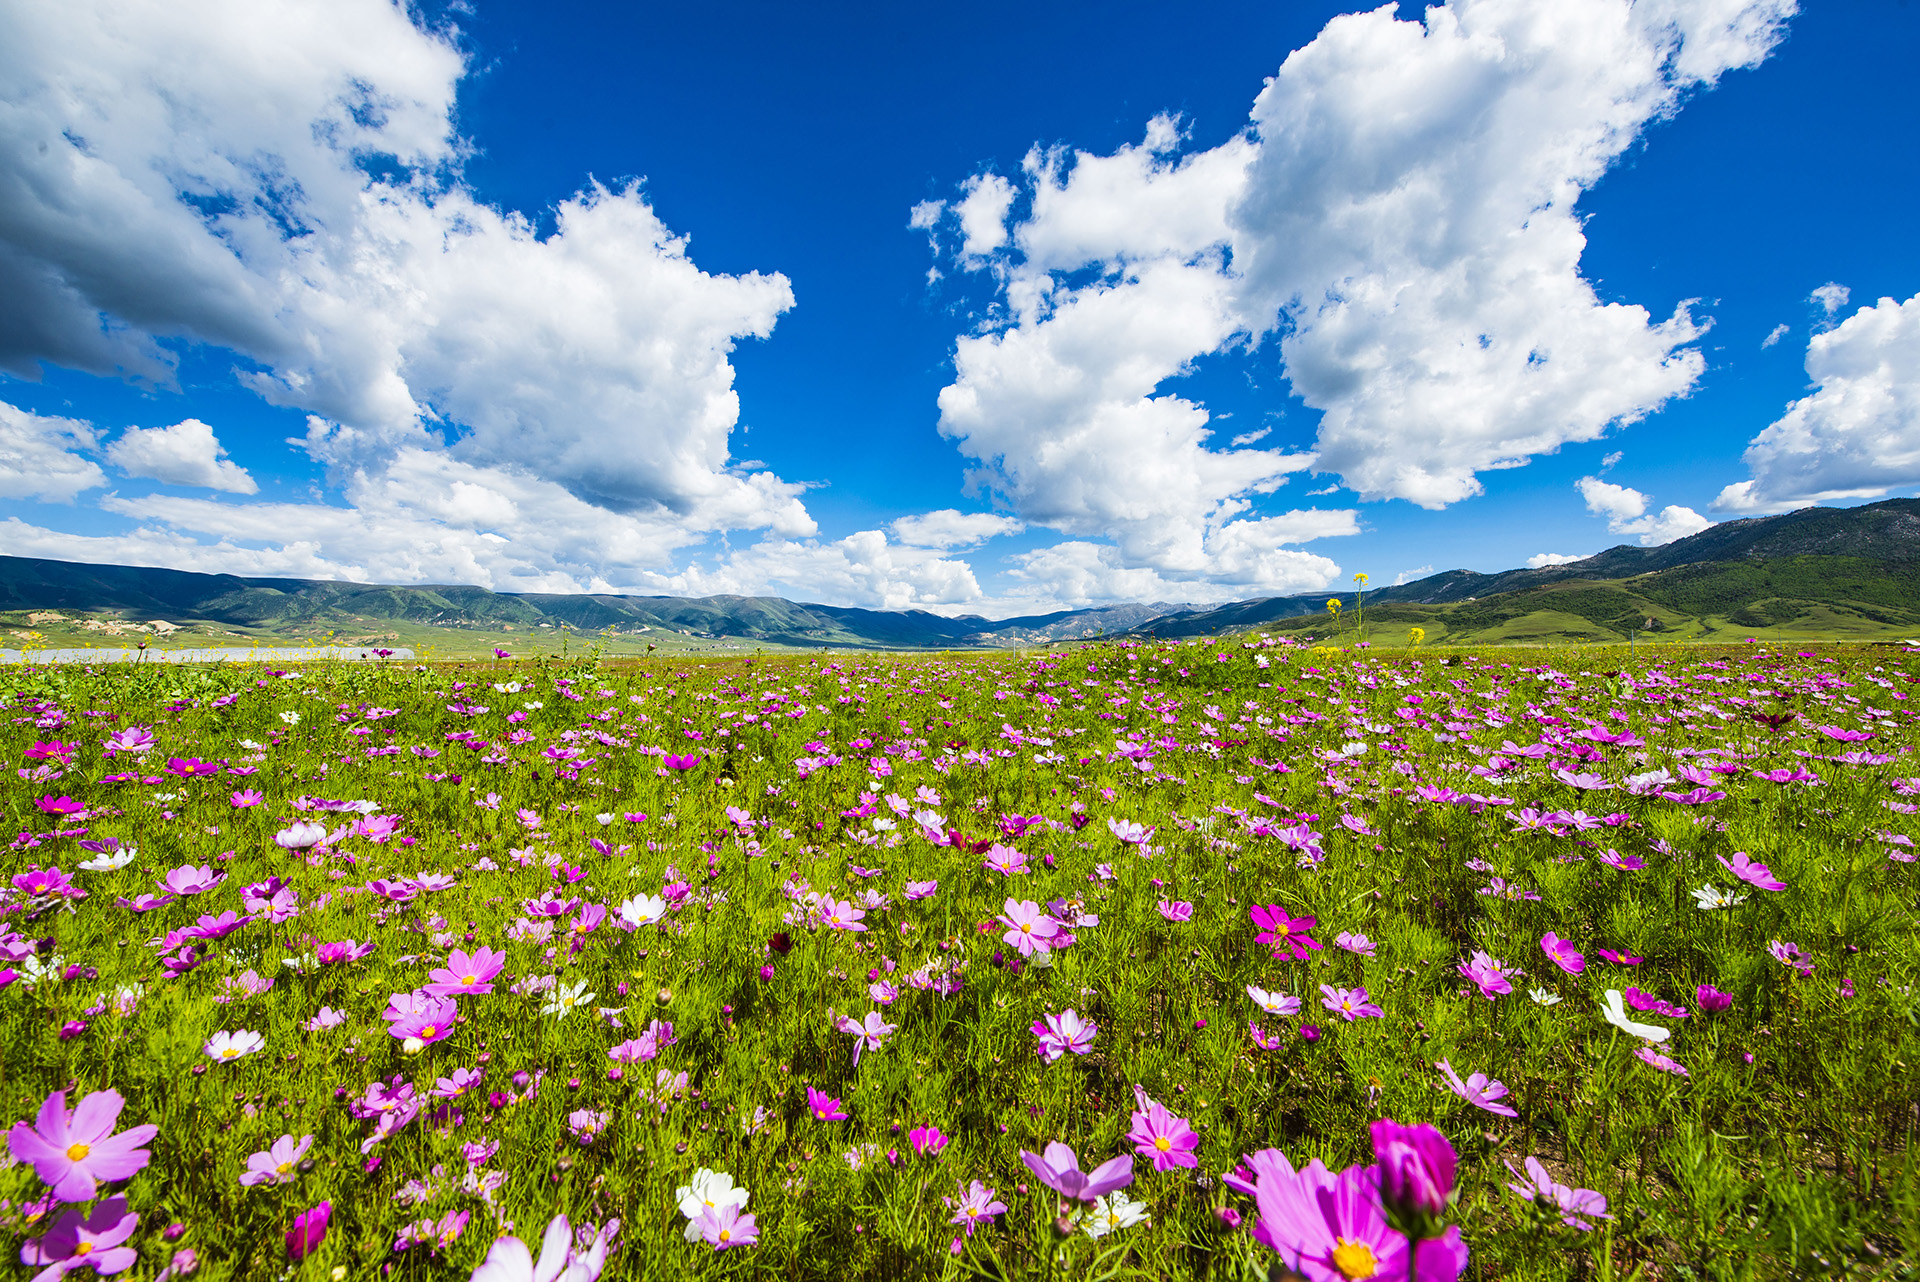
(1034, 306)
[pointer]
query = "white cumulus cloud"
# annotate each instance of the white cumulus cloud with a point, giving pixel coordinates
(948, 528)
(1626, 512)
(1858, 434)
(1541, 560)
(283, 180)
(187, 453)
(1401, 214)
(40, 456)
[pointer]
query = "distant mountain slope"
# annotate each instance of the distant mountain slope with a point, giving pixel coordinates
(1885, 533)
(178, 595)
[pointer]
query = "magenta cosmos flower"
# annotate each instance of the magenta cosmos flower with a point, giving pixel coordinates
(1286, 934)
(1160, 1137)
(824, 1106)
(1176, 910)
(1330, 1228)
(308, 1232)
(1562, 953)
(1417, 1169)
(1754, 874)
(466, 975)
(1059, 1169)
(93, 1242)
(1029, 927)
(1064, 1032)
(74, 1152)
(1349, 1003)
(1478, 1090)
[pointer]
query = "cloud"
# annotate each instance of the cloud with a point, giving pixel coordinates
(983, 214)
(283, 180)
(1774, 335)
(1076, 573)
(1626, 513)
(1858, 434)
(1401, 214)
(948, 528)
(185, 454)
(1541, 560)
(1830, 297)
(1408, 576)
(38, 458)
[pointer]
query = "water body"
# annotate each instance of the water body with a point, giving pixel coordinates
(212, 654)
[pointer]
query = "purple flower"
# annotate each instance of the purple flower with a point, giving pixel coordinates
(466, 975)
(70, 1153)
(1064, 1032)
(1160, 1137)
(1478, 1090)
(1349, 1003)
(189, 880)
(1286, 934)
(1647, 1001)
(1176, 910)
(977, 1205)
(870, 1034)
(1060, 1171)
(1353, 943)
(308, 1232)
(1489, 974)
(429, 1020)
(825, 1107)
(927, 1140)
(687, 762)
(726, 1226)
(1575, 1205)
(1330, 1228)
(345, 950)
(94, 1242)
(212, 927)
(277, 1163)
(840, 914)
(1711, 1000)
(1029, 928)
(1754, 874)
(1417, 1167)
(1654, 1059)
(1562, 953)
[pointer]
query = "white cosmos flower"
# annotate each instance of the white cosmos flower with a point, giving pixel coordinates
(224, 1046)
(291, 718)
(1544, 996)
(643, 910)
(709, 1190)
(604, 818)
(1711, 897)
(1114, 1211)
(111, 861)
(566, 997)
(1615, 1012)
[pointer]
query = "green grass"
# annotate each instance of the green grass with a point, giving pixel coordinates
(1796, 1162)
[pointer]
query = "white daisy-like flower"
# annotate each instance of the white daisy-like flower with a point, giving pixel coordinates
(224, 1046)
(1544, 996)
(566, 997)
(111, 861)
(1114, 1211)
(708, 1191)
(291, 718)
(1711, 897)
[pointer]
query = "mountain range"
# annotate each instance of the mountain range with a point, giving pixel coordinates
(1815, 573)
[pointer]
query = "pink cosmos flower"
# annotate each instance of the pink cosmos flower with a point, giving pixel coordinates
(1029, 927)
(1286, 934)
(1754, 874)
(869, 1034)
(1064, 1032)
(977, 1204)
(308, 1232)
(920, 889)
(466, 975)
(1176, 910)
(1059, 1169)
(1625, 863)
(1353, 943)
(1619, 957)
(726, 1226)
(825, 1107)
(247, 799)
(1489, 974)
(1331, 1228)
(840, 914)
(1478, 1090)
(1125, 830)
(278, 1162)
(1349, 1003)
(1562, 953)
(300, 836)
(1711, 1000)
(429, 1021)
(189, 880)
(1160, 1137)
(71, 1152)
(1005, 860)
(927, 1140)
(1263, 1040)
(1576, 1206)
(93, 1242)
(345, 950)
(1648, 1055)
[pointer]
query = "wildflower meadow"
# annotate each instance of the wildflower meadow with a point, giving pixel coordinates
(1230, 960)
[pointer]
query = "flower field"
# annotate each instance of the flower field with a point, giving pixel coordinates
(1209, 960)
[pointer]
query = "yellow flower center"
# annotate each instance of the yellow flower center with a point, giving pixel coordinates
(1162, 1143)
(1026, 929)
(1354, 1259)
(228, 1052)
(726, 1235)
(973, 1212)
(284, 1167)
(78, 1152)
(1347, 1005)
(83, 1248)
(427, 1032)
(468, 979)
